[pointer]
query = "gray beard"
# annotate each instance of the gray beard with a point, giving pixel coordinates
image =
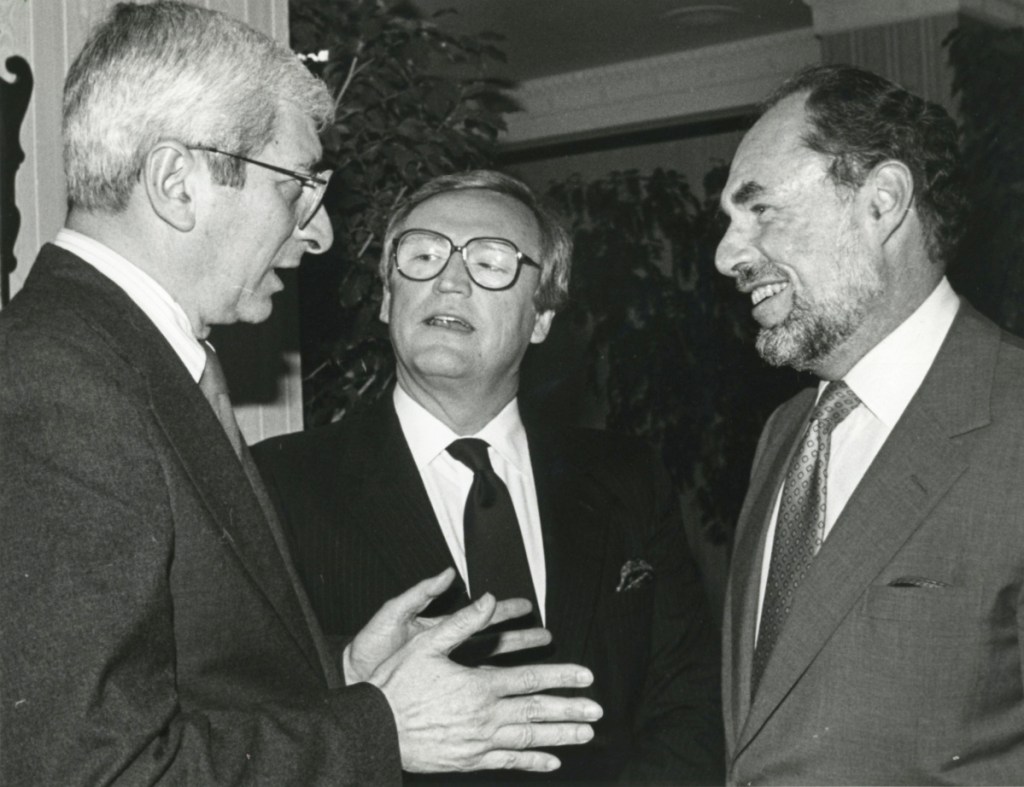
(809, 335)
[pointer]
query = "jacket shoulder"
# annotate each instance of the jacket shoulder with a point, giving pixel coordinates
(340, 446)
(594, 450)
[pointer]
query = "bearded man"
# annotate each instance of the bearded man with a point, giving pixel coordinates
(873, 629)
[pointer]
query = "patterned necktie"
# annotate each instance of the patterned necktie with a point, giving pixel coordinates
(214, 386)
(800, 528)
(495, 555)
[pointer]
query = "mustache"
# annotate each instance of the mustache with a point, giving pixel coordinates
(751, 274)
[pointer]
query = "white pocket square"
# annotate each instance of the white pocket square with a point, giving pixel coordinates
(633, 574)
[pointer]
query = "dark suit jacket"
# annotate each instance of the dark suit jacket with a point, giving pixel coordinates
(362, 530)
(901, 659)
(149, 629)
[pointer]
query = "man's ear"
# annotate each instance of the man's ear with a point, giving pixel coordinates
(168, 174)
(541, 326)
(890, 196)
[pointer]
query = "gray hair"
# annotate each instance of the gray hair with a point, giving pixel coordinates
(556, 244)
(860, 119)
(168, 70)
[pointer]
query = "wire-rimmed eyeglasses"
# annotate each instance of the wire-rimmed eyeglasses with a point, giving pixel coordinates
(318, 183)
(492, 263)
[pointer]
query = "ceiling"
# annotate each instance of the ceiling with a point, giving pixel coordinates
(545, 37)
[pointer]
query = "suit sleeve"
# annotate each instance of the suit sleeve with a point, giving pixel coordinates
(89, 684)
(678, 730)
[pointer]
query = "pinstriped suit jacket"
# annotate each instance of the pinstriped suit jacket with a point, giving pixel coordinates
(362, 529)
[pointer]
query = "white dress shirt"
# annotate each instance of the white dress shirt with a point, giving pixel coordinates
(157, 304)
(447, 480)
(885, 380)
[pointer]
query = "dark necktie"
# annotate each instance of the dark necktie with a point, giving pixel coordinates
(495, 555)
(800, 528)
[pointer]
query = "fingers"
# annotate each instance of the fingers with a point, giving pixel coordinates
(520, 760)
(541, 736)
(509, 681)
(418, 597)
(455, 629)
(511, 741)
(509, 609)
(521, 639)
(542, 710)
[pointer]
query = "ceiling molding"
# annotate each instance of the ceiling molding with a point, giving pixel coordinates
(840, 16)
(1007, 12)
(687, 84)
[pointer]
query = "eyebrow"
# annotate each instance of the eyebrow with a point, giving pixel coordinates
(747, 192)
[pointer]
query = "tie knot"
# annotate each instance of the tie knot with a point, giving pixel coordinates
(212, 383)
(837, 402)
(472, 452)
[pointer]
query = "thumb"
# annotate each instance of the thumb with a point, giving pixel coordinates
(416, 599)
(456, 628)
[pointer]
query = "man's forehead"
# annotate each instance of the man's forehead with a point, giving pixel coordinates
(771, 152)
(478, 212)
(296, 139)
(474, 205)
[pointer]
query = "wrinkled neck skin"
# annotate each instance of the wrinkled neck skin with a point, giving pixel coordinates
(152, 247)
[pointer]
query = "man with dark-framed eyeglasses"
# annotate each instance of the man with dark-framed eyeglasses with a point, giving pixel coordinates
(445, 474)
(152, 626)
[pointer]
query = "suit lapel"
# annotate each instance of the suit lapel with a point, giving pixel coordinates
(575, 509)
(392, 508)
(914, 469)
(217, 475)
(199, 441)
(748, 556)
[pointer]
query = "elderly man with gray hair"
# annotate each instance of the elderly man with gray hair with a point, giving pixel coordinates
(152, 626)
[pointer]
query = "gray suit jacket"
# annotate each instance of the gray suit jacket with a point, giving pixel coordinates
(901, 660)
(150, 628)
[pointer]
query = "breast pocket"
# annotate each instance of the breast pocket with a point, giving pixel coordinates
(935, 606)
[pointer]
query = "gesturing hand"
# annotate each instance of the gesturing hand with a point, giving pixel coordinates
(397, 622)
(455, 718)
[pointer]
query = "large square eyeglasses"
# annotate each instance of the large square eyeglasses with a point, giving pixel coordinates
(492, 263)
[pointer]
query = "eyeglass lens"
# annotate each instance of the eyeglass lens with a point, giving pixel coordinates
(492, 263)
(312, 201)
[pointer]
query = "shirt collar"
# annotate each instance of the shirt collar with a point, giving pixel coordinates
(157, 304)
(888, 376)
(428, 437)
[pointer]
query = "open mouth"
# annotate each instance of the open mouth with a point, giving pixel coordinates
(449, 322)
(766, 291)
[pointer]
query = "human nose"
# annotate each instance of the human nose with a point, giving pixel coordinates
(318, 234)
(454, 277)
(734, 252)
